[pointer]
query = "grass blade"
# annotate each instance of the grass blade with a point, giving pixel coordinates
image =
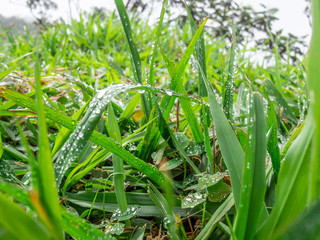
(166, 210)
(272, 146)
(156, 42)
(136, 61)
(254, 177)
(117, 162)
(47, 188)
(229, 84)
(314, 92)
(306, 226)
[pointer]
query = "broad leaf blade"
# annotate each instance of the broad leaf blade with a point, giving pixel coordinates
(254, 177)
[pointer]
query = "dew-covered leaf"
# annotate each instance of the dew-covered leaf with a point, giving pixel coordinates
(128, 214)
(194, 149)
(192, 200)
(208, 180)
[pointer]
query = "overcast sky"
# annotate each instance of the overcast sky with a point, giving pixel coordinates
(291, 12)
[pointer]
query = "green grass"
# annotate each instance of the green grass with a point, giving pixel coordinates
(114, 129)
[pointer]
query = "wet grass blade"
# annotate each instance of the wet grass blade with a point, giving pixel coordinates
(108, 202)
(254, 177)
(64, 133)
(200, 54)
(136, 61)
(229, 83)
(47, 188)
(156, 42)
(117, 162)
(272, 146)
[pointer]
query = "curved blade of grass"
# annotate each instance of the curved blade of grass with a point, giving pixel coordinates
(291, 192)
(47, 188)
(254, 176)
(95, 137)
(18, 223)
(200, 54)
(272, 146)
(218, 214)
(117, 162)
(314, 93)
(135, 57)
